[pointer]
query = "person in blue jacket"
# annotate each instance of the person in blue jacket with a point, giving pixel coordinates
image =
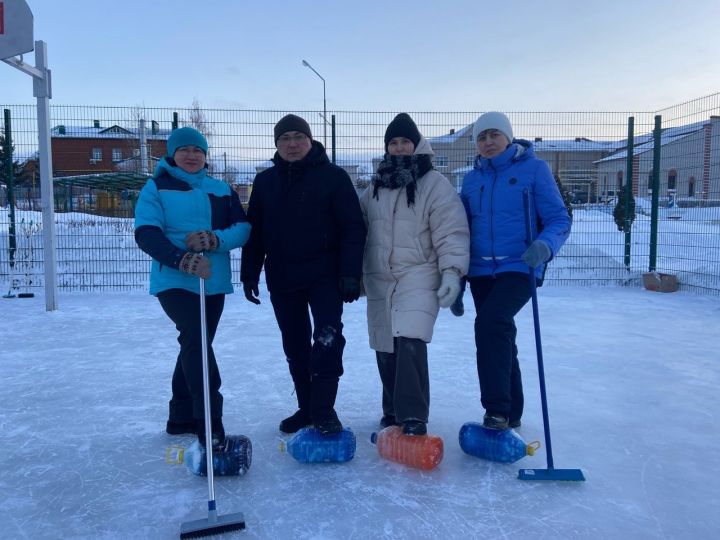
(188, 222)
(501, 254)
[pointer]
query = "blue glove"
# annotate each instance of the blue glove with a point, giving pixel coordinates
(537, 254)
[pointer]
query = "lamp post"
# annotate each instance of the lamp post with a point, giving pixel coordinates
(306, 64)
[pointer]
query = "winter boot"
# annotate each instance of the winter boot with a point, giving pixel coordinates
(495, 421)
(322, 403)
(218, 432)
(329, 424)
(297, 421)
(414, 427)
(302, 416)
(388, 420)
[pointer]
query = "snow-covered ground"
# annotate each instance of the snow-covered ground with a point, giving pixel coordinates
(632, 377)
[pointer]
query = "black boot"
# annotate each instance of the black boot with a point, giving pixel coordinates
(414, 427)
(388, 420)
(302, 416)
(218, 431)
(322, 403)
(296, 422)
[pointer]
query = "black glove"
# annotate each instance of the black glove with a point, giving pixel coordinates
(349, 288)
(250, 288)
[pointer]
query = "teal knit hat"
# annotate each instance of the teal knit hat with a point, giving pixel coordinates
(186, 136)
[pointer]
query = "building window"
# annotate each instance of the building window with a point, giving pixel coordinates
(117, 154)
(691, 187)
(441, 161)
(96, 155)
(672, 179)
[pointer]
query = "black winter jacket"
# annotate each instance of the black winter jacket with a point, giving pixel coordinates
(307, 225)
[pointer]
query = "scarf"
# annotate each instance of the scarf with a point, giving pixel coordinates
(395, 172)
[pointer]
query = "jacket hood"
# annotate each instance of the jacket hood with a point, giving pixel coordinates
(519, 150)
(424, 147)
(194, 179)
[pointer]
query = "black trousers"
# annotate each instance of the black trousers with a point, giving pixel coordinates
(313, 349)
(497, 300)
(405, 380)
(183, 308)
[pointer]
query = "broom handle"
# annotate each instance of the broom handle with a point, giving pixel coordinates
(538, 341)
(206, 395)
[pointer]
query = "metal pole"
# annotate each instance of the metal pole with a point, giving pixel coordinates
(657, 134)
(10, 188)
(43, 92)
(628, 187)
(325, 120)
(175, 120)
(143, 147)
(333, 138)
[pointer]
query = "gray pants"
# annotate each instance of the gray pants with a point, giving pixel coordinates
(404, 375)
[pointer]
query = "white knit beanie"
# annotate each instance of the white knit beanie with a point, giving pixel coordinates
(493, 120)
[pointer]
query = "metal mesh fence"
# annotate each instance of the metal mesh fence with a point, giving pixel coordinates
(103, 155)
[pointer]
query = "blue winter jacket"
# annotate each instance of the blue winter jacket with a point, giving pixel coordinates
(174, 203)
(492, 194)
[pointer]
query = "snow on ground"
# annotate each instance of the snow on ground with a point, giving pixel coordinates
(632, 377)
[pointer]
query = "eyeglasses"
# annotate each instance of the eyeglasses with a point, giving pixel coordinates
(287, 139)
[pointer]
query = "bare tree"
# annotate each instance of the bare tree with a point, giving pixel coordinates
(198, 120)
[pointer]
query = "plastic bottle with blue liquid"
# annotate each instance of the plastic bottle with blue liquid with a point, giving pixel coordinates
(232, 458)
(308, 445)
(501, 445)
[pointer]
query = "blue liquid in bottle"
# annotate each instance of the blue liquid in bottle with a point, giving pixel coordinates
(309, 446)
(232, 458)
(501, 445)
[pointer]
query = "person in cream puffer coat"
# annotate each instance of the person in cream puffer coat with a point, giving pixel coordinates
(417, 249)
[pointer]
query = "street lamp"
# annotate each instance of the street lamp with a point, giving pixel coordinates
(306, 64)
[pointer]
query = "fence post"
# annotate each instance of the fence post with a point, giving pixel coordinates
(628, 188)
(10, 189)
(175, 120)
(333, 138)
(657, 135)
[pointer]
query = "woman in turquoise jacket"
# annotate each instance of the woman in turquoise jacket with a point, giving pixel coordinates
(501, 254)
(188, 222)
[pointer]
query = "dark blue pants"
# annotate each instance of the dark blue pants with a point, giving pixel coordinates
(497, 300)
(313, 350)
(183, 308)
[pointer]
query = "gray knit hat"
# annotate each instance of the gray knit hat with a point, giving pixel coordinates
(493, 120)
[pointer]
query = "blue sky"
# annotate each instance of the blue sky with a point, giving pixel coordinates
(376, 55)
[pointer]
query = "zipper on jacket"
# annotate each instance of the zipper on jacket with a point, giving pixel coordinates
(492, 218)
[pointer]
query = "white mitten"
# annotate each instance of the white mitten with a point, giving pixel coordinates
(449, 288)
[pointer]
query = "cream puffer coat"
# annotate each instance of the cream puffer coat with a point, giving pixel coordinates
(406, 251)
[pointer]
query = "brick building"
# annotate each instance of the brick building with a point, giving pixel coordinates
(79, 150)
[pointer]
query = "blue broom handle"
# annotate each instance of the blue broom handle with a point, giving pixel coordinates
(538, 341)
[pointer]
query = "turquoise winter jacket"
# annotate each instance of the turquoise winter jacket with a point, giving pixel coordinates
(492, 194)
(174, 203)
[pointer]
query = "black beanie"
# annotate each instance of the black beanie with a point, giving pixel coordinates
(402, 126)
(291, 122)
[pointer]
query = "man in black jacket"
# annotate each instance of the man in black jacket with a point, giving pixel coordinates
(308, 231)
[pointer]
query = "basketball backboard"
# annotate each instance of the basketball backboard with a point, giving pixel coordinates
(16, 28)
